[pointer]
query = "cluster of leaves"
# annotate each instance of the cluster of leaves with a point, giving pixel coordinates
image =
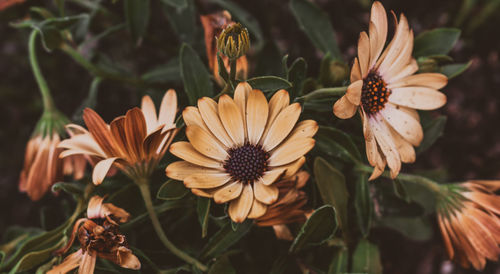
(336, 237)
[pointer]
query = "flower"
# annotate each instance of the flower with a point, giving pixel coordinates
(469, 221)
(99, 236)
(387, 92)
(233, 41)
(289, 208)
(42, 165)
(134, 143)
(213, 24)
(238, 148)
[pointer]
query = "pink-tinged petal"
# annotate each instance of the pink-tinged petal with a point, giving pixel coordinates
(101, 170)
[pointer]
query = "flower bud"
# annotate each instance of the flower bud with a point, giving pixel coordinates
(234, 41)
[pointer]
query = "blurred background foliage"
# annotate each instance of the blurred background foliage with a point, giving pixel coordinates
(113, 52)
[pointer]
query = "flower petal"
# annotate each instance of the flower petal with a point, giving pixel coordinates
(135, 131)
(344, 109)
(205, 143)
(99, 131)
(265, 194)
(398, 43)
(363, 53)
(409, 128)
(182, 169)
(272, 175)
(240, 207)
(204, 180)
(101, 170)
(430, 80)
(126, 259)
(149, 110)
(258, 209)
(417, 97)
(290, 151)
(257, 112)
(232, 120)
(383, 136)
(168, 109)
(209, 112)
(84, 143)
(355, 71)
(192, 117)
(278, 102)
(281, 127)
(94, 207)
(87, 264)
(353, 93)
(71, 262)
(186, 151)
(228, 192)
(378, 18)
(240, 98)
(405, 149)
(119, 213)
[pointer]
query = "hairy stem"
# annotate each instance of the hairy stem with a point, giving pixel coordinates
(146, 195)
(48, 102)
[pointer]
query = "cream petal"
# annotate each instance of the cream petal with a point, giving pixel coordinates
(205, 143)
(383, 136)
(363, 53)
(398, 43)
(410, 69)
(353, 93)
(204, 180)
(232, 120)
(272, 175)
(412, 112)
(264, 193)
(228, 192)
(282, 232)
(409, 128)
(344, 109)
(192, 117)
(149, 111)
(182, 169)
(207, 193)
(355, 71)
(257, 112)
(120, 214)
(430, 80)
(372, 152)
(417, 97)
(281, 127)
(292, 168)
(377, 171)
(290, 151)
(378, 17)
(240, 207)
(402, 60)
(186, 151)
(278, 102)
(209, 112)
(127, 259)
(94, 207)
(84, 143)
(304, 129)
(240, 98)
(168, 109)
(71, 262)
(258, 209)
(87, 264)
(405, 149)
(101, 169)
(373, 38)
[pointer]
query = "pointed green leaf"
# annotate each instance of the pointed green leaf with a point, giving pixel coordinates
(297, 75)
(222, 265)
(400, 190)
(203, 209)
(224, 239)
(453, 70)
(337, 143)
(269, 83)
(432, 131)
(366, 258)
(435, 42)
(415, 228)
(183, 21)
(172, 190)
(340, 262)
(195, 75)
(169, 72)
(137, 17)
(363, 205)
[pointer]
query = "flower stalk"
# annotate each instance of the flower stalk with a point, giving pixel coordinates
(322, 93)
(48, 102)
(143, 184)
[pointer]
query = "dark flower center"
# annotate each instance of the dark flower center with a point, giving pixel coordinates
(101, 235)
(374, 93)
(246, 163)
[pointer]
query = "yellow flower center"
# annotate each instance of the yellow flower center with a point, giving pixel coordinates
(246, 163)
(374, 93)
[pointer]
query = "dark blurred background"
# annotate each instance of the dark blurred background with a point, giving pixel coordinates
(470, 147)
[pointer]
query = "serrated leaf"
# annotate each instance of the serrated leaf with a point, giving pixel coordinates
(224, 239)
(363, 205)
(137, 17)
(332, 187)
(432, 131)
(269, 83)
(366, 258)
(320, 227)
(453, 70)
(297, 74)
(203, 209)
(172, 190)
(337, 143)
(340, 262)
(316, 24)
(195, 75)
(435, 42)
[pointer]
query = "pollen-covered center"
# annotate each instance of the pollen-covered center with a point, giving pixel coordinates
(374, 93)
(246, 163)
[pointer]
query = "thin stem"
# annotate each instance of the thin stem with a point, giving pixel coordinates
(232, 72)
(323, 93)
(48, 102)
(146, 195)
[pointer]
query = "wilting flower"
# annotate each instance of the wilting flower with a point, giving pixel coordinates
(42, 165)
(238, 148)
(213, 24)
(289, 208)
(134, 143)
(386, 91)
(469, 221)
(99, 236)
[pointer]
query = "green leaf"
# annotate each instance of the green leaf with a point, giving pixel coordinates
(432, 131)
(269, 83)
(366, 258)
(320, 227)
(180, 4)
(363, 205)
(340, 262)
(316, 24)
(224, 238)
(35, 258)
(137, 17)
(222, 265)
(415, 228)
(337, 143)
(169, 72)
(435, 42)
(453, 70)
(195, 75)
(203, 209)
(332, 187)
(89, 102)
(172, 190)
(297, 75)
(400, 190)
(183, 22)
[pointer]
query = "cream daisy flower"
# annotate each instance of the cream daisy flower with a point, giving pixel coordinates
(387, 93)
(238, 148)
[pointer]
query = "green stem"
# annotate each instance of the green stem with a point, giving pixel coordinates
(232, 72)
(323, 93)
(48, 102)
(146, 195)
(428, 183)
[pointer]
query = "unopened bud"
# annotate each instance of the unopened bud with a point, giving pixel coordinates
(234, 41)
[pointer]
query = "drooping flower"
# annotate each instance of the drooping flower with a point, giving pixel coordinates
(42, 165)
(289, 208)
(469, 221)
(213, 24)
(238, 148)
(387, 92)
(99, 236)
(133, 143)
